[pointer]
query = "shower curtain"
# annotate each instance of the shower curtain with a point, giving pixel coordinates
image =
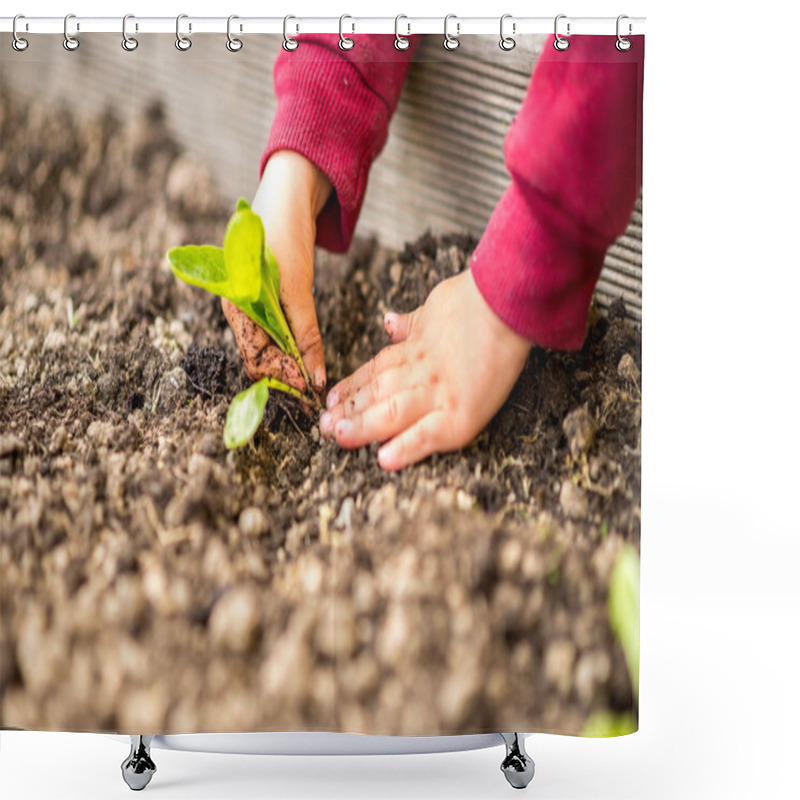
(412, 507)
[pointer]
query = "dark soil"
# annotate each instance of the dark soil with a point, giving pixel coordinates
(154, 582)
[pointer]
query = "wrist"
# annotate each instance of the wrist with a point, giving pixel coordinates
(295, 179)
(505, 337)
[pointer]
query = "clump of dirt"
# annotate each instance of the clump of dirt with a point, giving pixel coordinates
(153, 581)
(206, 370)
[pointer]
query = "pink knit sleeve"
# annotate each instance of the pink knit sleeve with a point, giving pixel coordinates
(334, 108)
(574, 152)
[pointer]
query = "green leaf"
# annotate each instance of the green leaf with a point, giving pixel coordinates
(245, 414)
(606, 723)
(243, 248)
(246, 272)
(254, 275)
(202, 266)
(623, 609)
(272, 272)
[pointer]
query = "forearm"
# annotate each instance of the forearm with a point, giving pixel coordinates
(306, 185)
(574, 154)
(334, 109)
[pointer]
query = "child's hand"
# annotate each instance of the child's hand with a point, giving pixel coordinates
(291, 194)
(452, 365)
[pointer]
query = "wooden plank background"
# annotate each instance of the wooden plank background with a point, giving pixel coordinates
(442, 168)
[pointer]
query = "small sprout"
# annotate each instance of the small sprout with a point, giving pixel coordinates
(604, 530)
(607, 723)
(623, 609)
(245, 271)
(623, 614)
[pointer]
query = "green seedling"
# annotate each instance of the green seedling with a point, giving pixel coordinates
(623, 609)
(623, 614)
(245, 271)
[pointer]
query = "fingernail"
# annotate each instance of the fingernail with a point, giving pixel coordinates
(319, 379)
(333, 400)
(343, 427)
(389, 321)
(326, 422)
(384, 453)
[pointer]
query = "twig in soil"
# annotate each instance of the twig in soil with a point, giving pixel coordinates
(510, 461)
(285, 461)
(154, 407)
(291, 419)
(342, 466)
(200, 389)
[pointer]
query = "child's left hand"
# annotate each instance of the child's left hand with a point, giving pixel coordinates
(450, 368)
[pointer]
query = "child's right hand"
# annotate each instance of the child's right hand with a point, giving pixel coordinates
(291, 194)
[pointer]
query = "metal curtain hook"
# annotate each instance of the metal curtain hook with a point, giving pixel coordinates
(451, 42)
(289, 44)
(233, 44)
(345, 42)
(623, 45)
(507, 42)
(182, 42)
(400, 42)
(129, 43)
(18, 43)
(560, 43)
(70, 42)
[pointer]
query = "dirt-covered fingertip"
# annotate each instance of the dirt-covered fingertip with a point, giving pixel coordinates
(390, 321)
(396, 326)
(318, 380)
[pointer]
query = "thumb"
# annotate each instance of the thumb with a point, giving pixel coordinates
(399, 326)
(298, 304)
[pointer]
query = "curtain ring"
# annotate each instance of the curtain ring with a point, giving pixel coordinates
(507, 42)
(70, 42)
(561, 43)
(451, 42)
(233, 44)
(345, 42)
(622, 44)
(400, 42)
(289, 44)
(182, 42)
(18, 43)
(129, 43)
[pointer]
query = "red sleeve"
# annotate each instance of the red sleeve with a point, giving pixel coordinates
(574, 152)
(334, 108)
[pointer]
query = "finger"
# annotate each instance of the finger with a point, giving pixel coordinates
(415, 443)
(297, 300)
(262, 359)
(384, 419)
(244, 329)
(399, 326)
(272, 362)
(388, 358)
(380, 387)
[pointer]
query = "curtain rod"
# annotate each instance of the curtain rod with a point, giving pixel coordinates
(457, 26)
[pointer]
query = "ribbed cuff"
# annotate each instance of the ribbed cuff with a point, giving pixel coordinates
(534, 275)
(328, 114)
